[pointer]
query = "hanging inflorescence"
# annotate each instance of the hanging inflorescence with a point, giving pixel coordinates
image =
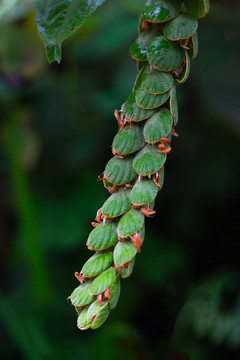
(166, 43)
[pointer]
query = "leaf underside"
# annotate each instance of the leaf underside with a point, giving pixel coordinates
(58, 19)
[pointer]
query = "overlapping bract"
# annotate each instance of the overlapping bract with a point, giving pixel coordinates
(166, 43)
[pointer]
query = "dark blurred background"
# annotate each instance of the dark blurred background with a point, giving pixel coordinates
(183, 299)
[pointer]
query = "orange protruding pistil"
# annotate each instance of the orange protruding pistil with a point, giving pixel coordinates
(89, 247)
(98, 216)
(99, 299)
(174, 133)
(106, 294)
(113, 188)
(165, 151)
(155, 180)
(185, 43)
(165, 141)
(144, 25)
(79, 276)
(136, 240)
(121, 120)
(147, 211)
(102, 296)
(117, 155)
(134, 206)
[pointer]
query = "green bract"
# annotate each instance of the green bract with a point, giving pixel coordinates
(114, 292)
(97, 314)
(97, 264)
(124, 252)
(158, 126)
(185, 72)
(130, 223)
(150, 101)
(143, 192)
(193, 47)
(141, 65)
(78, 309)
(128, 140)
(127, 270)
(82, 322)
(117, 204)
(156, 82)
(134, 112)
(119, 171)
(158, 11)
(80, 295)
(138, 49)
(165, 55)
(102, 282)
(174, 105)
(199, 8)
(182, 27)
(138, 81)
(103, 236)
(148, 161)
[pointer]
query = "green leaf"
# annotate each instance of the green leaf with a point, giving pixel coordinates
(130, 223)
(164, 54)
(160, 10)
(119, 171)
(148, 161)
(124, 252)
(129, 140)
(125, 272)
(58, 19)
(150, 101)
(114, 292)
(97, 314)
(97, 264)
(174, 105)
(103, 236)
(186, 71)
(158, 126)
(199, 8)
(117, 204)
(80, 295)
(135, 113)
(82, 322)
(156, 82)
(143, 192)
(193, 47)
(182, 27)
(138, 50)
(102, 282)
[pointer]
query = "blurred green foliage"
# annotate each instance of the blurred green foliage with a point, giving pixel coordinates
(57, 126)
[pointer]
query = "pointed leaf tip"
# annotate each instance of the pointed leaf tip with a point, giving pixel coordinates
(57, 20)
